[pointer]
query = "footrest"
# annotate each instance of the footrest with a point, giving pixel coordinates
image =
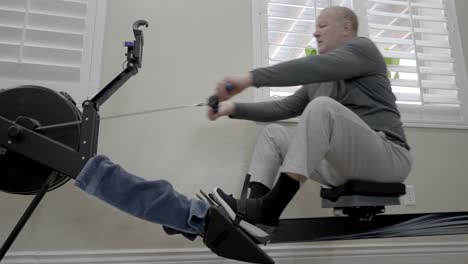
(228, 241)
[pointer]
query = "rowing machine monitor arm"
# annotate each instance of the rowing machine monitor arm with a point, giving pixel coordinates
(61, 158)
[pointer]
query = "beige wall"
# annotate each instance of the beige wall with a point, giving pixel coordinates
(189, 45)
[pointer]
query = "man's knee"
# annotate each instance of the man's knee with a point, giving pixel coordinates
(322, 102)
(276, 138)
(322, 106)
(272, 131)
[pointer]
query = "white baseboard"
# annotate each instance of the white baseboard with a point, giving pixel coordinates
(390, 253)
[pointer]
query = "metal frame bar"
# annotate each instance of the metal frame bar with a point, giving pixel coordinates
(60, 158)
(25, 217)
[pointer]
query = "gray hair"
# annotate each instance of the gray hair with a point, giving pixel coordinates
(345, 14)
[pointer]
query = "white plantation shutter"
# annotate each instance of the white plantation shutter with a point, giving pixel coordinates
(416, 34)
(52, 43)
(417, 38)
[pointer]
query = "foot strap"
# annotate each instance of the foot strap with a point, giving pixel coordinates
(241, 204)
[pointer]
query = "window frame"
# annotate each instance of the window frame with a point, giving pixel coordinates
(95, 48)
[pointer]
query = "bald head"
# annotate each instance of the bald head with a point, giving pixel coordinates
(333, 27)
(344, 16)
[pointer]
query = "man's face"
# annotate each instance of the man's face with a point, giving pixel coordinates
(329, 32)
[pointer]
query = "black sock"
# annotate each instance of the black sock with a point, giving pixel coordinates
(267, 210)
(257, 190)
(275, 201)
(253, 209)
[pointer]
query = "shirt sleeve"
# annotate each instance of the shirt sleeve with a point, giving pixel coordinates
(357, 57)
(271, 111)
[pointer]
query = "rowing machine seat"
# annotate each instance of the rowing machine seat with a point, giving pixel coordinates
(362, 200)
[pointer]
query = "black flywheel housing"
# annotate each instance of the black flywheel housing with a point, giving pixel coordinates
(40, 106)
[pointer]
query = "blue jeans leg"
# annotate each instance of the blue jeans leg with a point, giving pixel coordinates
(155, 201)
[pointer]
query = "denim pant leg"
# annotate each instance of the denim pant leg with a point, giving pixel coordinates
(154, 201)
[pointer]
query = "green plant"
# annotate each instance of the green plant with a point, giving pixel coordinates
(392, 61)
(310, 51)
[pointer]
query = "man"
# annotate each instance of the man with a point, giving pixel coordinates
(349, 128)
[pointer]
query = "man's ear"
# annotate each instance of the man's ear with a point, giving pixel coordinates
(348, 28)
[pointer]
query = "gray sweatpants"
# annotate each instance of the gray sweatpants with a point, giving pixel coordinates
(330, 145)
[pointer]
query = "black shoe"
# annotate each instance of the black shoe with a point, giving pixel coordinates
(208, 198)
(171, 231)
(253, 222)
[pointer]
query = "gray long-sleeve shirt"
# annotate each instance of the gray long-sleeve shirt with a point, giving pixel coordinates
(354, 75)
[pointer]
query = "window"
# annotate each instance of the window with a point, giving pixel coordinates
(419, 40)
(52, 43)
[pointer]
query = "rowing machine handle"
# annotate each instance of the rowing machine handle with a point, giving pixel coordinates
(213, 101)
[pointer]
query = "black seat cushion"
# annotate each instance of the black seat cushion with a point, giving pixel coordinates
(363, 188)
